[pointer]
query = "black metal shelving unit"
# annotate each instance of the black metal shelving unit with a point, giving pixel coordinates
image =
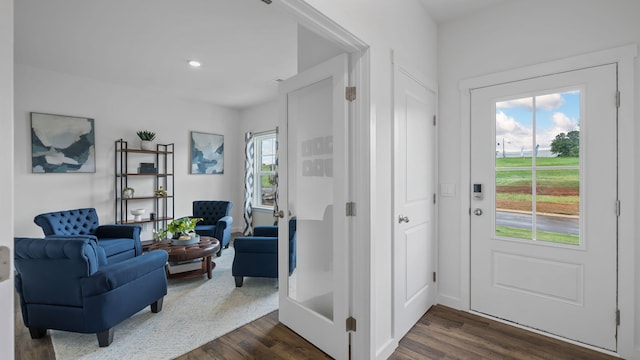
(145, 183)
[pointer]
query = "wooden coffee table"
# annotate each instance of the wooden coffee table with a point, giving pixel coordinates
(200, 250)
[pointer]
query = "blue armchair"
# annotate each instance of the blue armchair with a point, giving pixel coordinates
(120, 242)
(257, 255)
(66, 284)
(217, 221)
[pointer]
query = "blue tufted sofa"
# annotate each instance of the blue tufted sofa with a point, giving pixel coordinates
(217, 221)
(120, 242)
(66, 284)
(257, 255)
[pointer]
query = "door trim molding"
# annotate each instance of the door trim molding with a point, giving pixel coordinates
(362, 144)
(627, 175)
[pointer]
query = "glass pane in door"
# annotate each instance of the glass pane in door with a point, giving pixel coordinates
(311, 196)
(537, 174)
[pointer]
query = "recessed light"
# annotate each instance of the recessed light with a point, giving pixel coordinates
(195, 63)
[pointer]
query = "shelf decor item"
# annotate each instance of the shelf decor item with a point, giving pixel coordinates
(128, 192)
(146, 139)
(62, 144)
(137, 214)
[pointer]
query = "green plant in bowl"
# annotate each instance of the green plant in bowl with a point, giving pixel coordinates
(183, 226)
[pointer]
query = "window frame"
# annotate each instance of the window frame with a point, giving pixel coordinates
(258, 139)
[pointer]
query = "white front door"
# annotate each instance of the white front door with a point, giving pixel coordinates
(414, 197)
(543, 207)
(313, 185)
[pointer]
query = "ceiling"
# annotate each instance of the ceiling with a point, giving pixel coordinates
(446, 10)
(244, 45)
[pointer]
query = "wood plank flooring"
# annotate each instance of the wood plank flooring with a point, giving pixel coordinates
(442, 333)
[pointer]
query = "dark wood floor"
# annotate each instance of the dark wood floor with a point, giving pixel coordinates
(442, 333)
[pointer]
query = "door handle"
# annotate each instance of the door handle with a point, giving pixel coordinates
(403, 218)
(279, 214)
(477, 212)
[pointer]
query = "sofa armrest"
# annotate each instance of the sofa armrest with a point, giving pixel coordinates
(256, 244)
(112, 276)
(268, 230)
(225, 222)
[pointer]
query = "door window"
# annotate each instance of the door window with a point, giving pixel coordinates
(537, 167)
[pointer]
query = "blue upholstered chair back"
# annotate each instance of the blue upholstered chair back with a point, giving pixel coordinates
(211, 210)
(69, 222)
(50, 271)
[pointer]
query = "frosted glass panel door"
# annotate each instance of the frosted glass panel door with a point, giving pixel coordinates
(313, 190)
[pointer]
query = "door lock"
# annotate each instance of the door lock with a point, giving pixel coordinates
(477, 212)
(403, 218)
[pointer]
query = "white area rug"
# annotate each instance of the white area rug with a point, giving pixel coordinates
(195, 311)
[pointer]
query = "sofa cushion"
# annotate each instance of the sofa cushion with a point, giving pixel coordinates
(116, 246)
(206, 230)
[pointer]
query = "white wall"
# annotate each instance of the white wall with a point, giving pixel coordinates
(404, 27)
(118, 112)
(513, 35)
(256, 119)
(6, 179)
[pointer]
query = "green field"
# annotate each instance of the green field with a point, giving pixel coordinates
(541, 161)
(540, 235)
(556, 189)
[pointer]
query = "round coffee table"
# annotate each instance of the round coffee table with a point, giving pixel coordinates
(181, 253)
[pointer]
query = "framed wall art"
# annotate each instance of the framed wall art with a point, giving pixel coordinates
(207, 153)
(62, 144)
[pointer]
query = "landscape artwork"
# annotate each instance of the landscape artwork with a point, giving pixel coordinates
(62, 144)
(207, 153)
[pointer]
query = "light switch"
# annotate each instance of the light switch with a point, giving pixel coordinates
(5, 263)
(448, 190)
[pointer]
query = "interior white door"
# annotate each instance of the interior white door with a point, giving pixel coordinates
(414, 195)
(543, 208)
(313, 187)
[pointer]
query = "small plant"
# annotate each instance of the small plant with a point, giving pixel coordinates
(146, 135)
(183, 226)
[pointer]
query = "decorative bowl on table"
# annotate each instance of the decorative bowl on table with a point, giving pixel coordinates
(137, 214)
(188, 241)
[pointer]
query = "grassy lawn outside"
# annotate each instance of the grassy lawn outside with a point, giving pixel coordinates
(540, 235)
(557, 192)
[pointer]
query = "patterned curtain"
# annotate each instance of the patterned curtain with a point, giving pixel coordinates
(248, 184)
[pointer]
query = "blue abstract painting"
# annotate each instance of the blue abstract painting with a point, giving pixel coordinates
(62, 144)
(207, 153)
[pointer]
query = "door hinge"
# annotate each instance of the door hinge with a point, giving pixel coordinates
(434, 276)
(351, 208)
(618, 317)
(434, 120)
(434, 198)
(617, 207)
(617, 99)
(351, 323)
(350, 93)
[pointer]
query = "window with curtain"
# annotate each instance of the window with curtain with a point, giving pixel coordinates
(265, 146)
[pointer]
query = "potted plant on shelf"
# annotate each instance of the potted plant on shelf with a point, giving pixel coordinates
(183, 230)
(127, 192)
(146, 138)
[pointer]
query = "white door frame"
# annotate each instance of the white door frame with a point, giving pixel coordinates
(359, 153)
(6, 182)
(627, 133)
(399, 64)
